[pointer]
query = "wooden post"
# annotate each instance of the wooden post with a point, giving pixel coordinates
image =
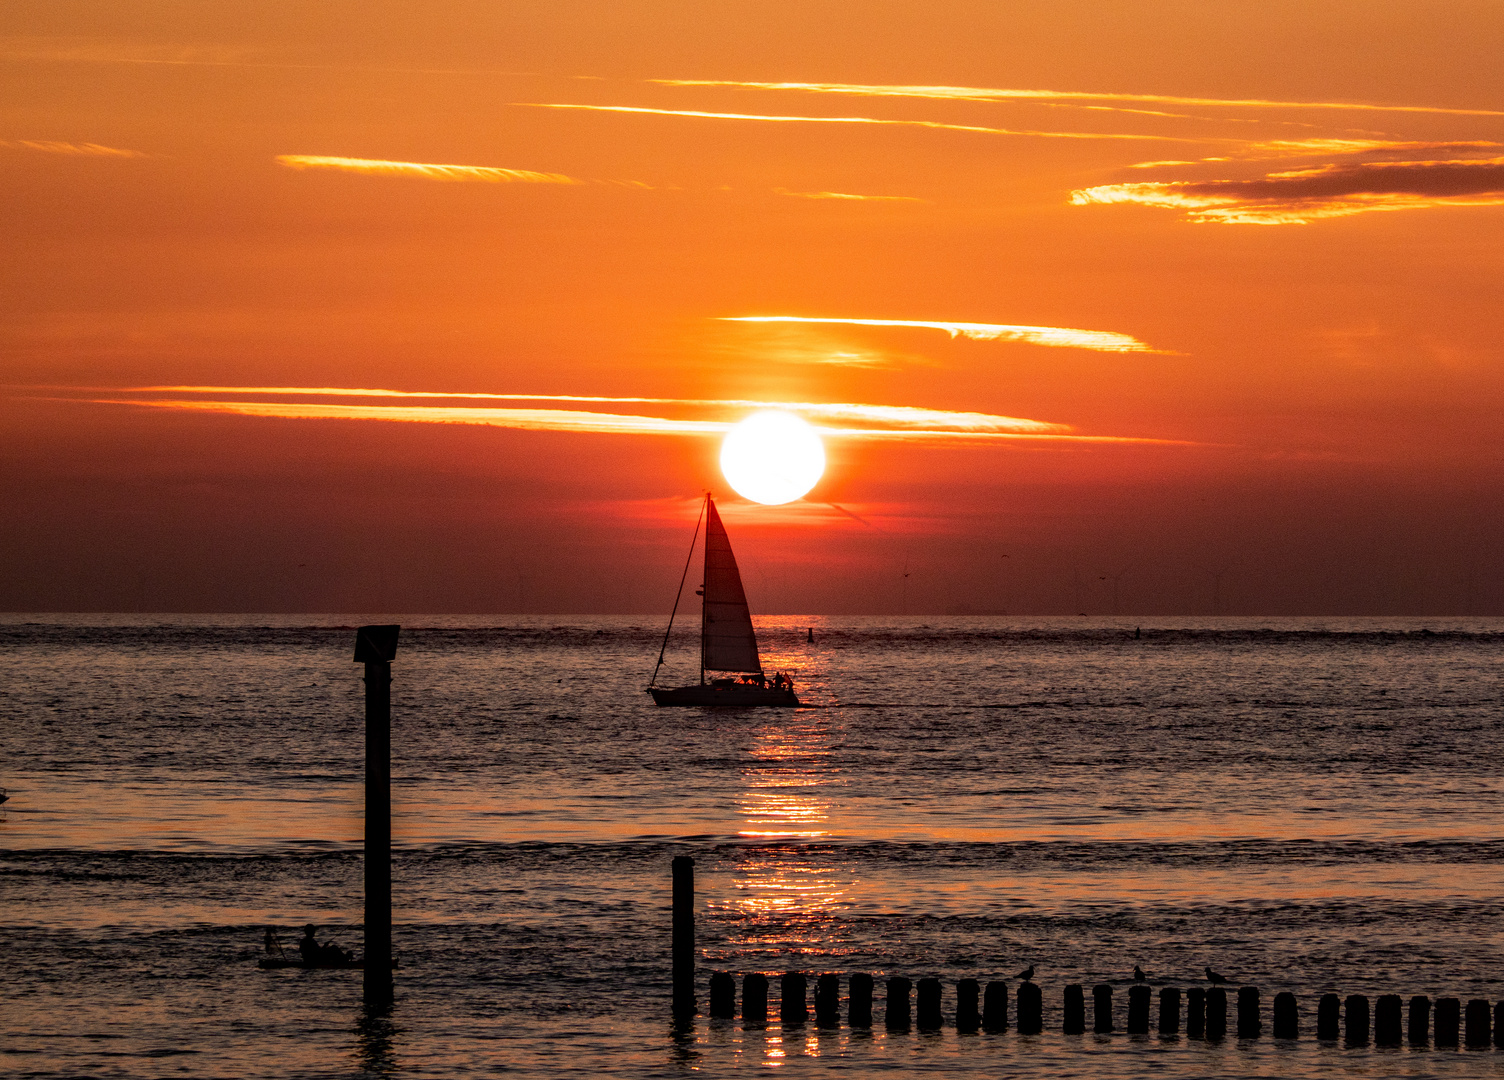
(1195, 1013)
(1216, 1013)
(1250, 1025)
(1169, 1011)
(968, 1019)
(1356, 1008)
(754, 998)
(1074, 1020)
(1387, 1028)
(1499, 1025)
(928, 1011)
(995, 1007)
(1286, 1016)
(1329, 1018)
(1420, 1020)
(859, 1001)
(896, 1017)
(684, 938)
(793, 999)
(1101, 1009)
(1030, 1009)
(376, 648)
(828, 1001)
(1476, 1031)
(722, 995)
(1138, 1010)
(1447, 1011)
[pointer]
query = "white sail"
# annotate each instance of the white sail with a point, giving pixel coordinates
(727, 640)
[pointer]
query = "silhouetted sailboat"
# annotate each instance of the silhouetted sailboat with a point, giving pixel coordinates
(727, 641)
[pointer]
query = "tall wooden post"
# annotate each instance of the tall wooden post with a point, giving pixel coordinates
(376, 647)
(684, 939)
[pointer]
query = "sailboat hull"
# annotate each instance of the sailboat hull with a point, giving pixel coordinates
(735, 696)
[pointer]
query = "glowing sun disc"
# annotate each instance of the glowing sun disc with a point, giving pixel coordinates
(772, 458)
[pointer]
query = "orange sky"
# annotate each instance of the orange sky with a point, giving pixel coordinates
(1198, 303)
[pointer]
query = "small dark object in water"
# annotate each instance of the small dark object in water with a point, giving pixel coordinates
(811, 635)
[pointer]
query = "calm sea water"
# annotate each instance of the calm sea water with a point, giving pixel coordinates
(1311, 805)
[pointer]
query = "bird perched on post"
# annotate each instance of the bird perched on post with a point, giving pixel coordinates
(1026, 974)
(1138, 974)
(1213, 978)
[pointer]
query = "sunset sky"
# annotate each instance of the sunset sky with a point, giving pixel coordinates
(1134, 308)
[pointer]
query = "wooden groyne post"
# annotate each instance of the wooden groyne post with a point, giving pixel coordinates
(1250, 1026)
(1420, 1020)
(1286, 1016)
(1169, 1011)
(684, 938)
(995, 1007)
(897, 1016)
(722, 995)
(1195, 1012)
(1138, 1010)
(968, 1016)
(1101, 1009)
(1030, 1009)
(793, 999)
(927, 1009)
(1356, 1009)
(828, 1001)
(1216, 1014)
(1073, 1015)
(1387, 1030)
(755, 998)
(1328, 1017)
(376, 648)
(859, 1000)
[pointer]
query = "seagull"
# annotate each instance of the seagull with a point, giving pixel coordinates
(1213, 978)
(1138, 974)
(1026, 974)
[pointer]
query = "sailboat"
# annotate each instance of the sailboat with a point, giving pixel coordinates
(728, 644)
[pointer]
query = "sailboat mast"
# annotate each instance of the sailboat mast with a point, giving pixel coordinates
(704, 578)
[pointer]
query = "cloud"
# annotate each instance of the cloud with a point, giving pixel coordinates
(1100, 340)
(841, 195)
(473, 174)
(1277, 149)
(1303, 195)
(79, 149)
(975, 93)
(855, 120)
(837, 419)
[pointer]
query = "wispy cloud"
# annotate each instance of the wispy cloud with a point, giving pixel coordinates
(1299, 196)
(782, 119)
(977, 93)
(1100, 340)
(1279, 149)
(842, 195)
(77, 149)
(838, 419)
(473, 174)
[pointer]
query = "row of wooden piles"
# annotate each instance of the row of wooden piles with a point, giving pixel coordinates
(1444, 1022)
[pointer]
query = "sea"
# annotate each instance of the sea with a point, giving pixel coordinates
(1304, 805)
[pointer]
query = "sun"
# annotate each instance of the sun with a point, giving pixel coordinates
(772, 457)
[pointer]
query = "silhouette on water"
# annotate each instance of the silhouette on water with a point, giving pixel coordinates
(1138, 974)
(1213, 978)
(1026, 974)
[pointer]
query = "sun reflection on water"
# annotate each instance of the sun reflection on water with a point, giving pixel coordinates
(784, 894)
